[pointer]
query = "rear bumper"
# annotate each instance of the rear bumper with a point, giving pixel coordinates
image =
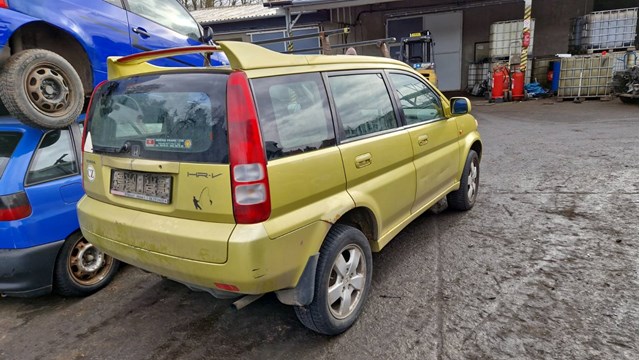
(28, 272)
(255, 264)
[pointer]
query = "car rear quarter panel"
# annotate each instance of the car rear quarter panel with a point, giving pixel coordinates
(101, 28)
(306, 188)
(51, 219)
(10, 21)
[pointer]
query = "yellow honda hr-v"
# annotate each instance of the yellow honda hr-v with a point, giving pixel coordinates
(280, 173)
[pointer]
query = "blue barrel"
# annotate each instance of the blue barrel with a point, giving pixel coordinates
(556, 76)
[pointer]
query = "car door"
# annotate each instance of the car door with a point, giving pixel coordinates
(376, 152)
(161, 24)
(434, 137)
(54, 186)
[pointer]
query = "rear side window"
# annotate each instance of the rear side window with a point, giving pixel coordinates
(54, 158)
(418, 102)
(171, 117)
(168, 13)
(294, 114)
(362, 103)
(8, 143)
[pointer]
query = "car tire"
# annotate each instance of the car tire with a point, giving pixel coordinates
(342, 283)
(465, 197)
(42, 89)
(629, 100)
(81, 269)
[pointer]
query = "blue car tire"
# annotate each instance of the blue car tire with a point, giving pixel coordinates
(81, 269)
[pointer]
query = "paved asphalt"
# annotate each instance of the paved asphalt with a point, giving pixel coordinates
(544, 267)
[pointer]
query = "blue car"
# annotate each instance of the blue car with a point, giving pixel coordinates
(41, 246)
(53, 52)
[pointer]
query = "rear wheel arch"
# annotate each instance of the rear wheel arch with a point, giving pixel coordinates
(362, 219)
(42, 35)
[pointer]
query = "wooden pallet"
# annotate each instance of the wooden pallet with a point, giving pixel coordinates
(583, 98)
(610, 50)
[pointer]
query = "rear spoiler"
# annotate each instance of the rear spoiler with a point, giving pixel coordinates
(121, 66)
(142, 57)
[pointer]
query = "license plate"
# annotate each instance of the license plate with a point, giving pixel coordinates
(143, 186)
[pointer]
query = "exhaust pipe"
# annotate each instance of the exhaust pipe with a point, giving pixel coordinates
(245, 301)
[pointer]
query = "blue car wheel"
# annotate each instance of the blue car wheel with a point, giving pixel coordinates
(81, 268)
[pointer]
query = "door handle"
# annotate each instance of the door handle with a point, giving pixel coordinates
(423, 140)
(363, 160)
(141, 31)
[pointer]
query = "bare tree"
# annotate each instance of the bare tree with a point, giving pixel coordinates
(204, 4)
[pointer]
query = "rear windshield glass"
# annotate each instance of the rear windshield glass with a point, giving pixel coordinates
(8, 143)
(173, 117)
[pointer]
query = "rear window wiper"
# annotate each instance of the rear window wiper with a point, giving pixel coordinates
(111, 150)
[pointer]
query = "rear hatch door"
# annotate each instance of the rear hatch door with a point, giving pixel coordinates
(157, 144)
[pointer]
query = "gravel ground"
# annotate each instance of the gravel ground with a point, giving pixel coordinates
(544, 267)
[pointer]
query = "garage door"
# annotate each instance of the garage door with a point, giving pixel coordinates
(446, 29)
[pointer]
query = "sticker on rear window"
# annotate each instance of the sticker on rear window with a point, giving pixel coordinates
(168, 143)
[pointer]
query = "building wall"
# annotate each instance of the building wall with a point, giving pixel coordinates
(552, 17)
(553, 24)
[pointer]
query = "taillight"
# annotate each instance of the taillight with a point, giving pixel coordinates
(4, 4)
(89, 114)
(249, 181)
(14, 207)
(87, 123)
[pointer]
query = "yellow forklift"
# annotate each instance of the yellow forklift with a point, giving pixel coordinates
(417, 51)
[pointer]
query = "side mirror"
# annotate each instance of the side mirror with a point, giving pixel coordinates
(208, 35)
(460, 105)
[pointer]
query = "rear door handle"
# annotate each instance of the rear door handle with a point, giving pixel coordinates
(423, 140)
(363, 160)
(141, 31)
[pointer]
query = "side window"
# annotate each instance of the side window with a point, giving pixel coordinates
(294, 114)
(362, 103)
(168, 13)
(54, 158)
(418, 102)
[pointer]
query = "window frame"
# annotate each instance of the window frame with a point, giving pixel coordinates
(398, 102)
(127, 7)
(337, 123)
(20, 136)
(115, 3)
(322, 90)
(74, 148)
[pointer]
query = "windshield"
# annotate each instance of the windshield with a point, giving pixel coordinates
(8, 143)
(174, 117)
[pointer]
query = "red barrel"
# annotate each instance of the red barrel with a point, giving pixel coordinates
(497, 89)
(517, 85)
